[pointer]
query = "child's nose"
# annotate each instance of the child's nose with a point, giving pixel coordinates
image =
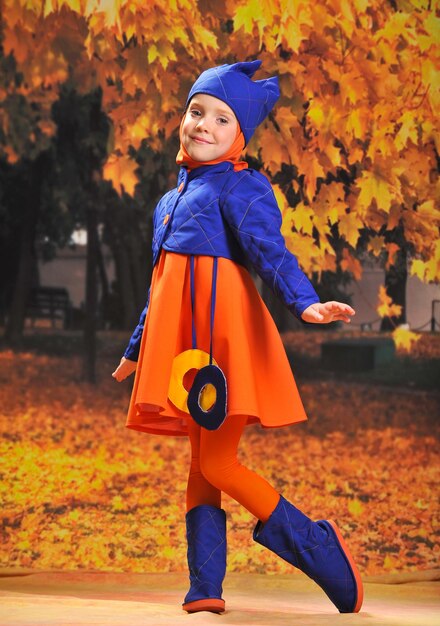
(202, 124)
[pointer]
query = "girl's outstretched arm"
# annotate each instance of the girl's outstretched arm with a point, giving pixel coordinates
(124, 369)
(326, 312)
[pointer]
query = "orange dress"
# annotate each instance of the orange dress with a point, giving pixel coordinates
(246, 346)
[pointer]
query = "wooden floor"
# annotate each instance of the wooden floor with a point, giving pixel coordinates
(92, 598)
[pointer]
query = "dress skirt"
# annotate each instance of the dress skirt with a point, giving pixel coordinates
(246, 346)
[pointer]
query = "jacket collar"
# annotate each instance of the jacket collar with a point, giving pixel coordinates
(208, 170)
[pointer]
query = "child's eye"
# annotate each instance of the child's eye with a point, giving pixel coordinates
(195, 112)
(223, 120)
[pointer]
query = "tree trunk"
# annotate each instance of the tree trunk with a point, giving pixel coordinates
(140, 270)
(126, 287)
(27, 260)
(89, 354)
(121, 255)
(103, 279)
(395, 284)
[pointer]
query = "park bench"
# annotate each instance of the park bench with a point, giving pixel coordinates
(49, 303)
(355, 354)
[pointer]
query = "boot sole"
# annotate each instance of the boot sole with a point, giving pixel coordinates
(352, 564)
(214, 605)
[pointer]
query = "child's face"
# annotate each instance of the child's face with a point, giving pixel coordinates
(209, 128)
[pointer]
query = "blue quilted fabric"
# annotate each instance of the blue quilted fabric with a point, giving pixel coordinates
(217, 211)
(196, 224)
(250, 100)
(206, 536)
(314, 548)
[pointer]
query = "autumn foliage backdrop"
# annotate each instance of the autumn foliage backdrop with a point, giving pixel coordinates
(352, 150)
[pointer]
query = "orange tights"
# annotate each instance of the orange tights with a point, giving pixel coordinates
(215, 468)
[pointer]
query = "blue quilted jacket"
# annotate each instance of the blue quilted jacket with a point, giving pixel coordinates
(216, 211)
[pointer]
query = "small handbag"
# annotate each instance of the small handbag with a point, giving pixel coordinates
(206, 400)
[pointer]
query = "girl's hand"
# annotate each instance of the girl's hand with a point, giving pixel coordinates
(124, 369)
(326, 312)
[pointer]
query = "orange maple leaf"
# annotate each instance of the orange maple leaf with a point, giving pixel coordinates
(386, 308)
(405, 338)
(121, 171)
(350, 264)
(392, 249)
(376, 244)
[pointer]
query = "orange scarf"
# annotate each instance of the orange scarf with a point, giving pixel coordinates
(232, 155)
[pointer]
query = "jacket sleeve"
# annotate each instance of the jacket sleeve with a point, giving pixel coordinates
(132, 350)
(251, 210)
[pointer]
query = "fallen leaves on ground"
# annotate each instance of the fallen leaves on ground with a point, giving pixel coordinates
(79, 490)
(309, 343)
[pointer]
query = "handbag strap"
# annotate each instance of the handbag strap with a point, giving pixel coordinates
(213, 296)
(193, 303)
(193, 298)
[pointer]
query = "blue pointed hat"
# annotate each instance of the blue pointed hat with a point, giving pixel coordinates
(250, 100)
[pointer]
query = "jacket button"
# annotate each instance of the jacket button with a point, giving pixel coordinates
(166, 219)
(180, 187)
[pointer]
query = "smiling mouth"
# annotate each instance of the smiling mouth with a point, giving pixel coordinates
(201, 141)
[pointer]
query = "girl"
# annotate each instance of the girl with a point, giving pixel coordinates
(203, 308)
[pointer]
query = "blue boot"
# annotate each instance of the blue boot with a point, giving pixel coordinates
(317, 549)
(206, 536)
